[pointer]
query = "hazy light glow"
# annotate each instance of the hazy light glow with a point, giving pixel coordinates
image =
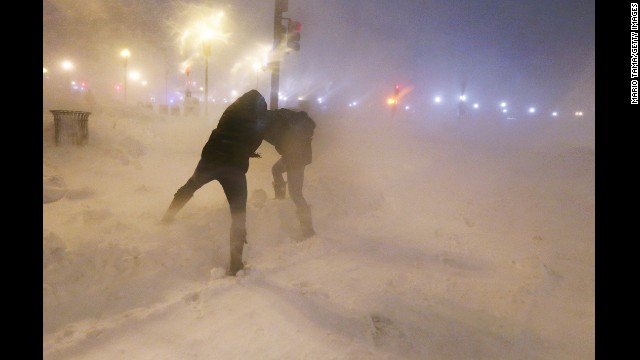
(67, 65)
(125, 53)
(555, 113)
(578, 113)
(438, 99)
(475, 106)
(503, 104)
(532, 110)
(202, 30)
(504, 111)
(44, 70)
(463, 97)
(134, 75)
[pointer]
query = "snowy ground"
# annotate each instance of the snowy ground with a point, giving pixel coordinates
(434, 241)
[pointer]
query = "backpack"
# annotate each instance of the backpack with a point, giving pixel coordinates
(298, 123)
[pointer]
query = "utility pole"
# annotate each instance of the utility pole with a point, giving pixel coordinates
(281, 7)
(286, 38)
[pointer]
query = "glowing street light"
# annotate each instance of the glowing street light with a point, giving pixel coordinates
(134, 75)
(125, 55)
(437, 99)
(532, 110)
(201, 34)
(503, 105)
(554, 114)
(463, 97)
(67, 66)
(475, 106)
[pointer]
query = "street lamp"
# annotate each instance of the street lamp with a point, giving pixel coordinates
(200, 34)
(67, 66)
(206, 49)
(125, 55)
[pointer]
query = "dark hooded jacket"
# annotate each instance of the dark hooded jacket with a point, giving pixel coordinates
(291, 133)
(239, 132)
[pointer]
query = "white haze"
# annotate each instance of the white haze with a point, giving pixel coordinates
(435, 239)
(531, 53)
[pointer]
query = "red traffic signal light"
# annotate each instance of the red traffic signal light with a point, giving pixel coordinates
(295, 26)
(293, 35)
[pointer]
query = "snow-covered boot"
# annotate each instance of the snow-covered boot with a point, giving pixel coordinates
(306, 223)
(280, 190)
(181, 197)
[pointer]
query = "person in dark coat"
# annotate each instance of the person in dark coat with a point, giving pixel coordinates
(225, 158)
(291, 132)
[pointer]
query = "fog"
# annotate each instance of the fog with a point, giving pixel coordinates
(526, 53)
(441, 234)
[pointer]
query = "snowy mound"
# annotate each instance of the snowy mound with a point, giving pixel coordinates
(432, 242)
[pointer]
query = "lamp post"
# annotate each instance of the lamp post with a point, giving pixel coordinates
(67, 66)
(125, 55)
(206, 50)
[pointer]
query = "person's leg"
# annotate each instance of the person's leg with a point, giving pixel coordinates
(303, 210)
(203, 174)
(295, 178)
(234, 184)
(279, 185)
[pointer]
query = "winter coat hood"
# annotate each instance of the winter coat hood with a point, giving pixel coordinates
(239, 132)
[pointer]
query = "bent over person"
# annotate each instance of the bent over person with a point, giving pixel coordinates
(291, 133)
(225, 158)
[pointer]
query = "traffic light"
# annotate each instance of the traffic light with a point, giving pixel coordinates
(293, 35)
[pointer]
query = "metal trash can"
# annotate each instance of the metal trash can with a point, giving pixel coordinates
(71, 127)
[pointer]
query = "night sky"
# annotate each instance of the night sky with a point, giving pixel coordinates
(534, 50)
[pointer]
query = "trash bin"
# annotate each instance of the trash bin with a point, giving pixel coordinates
(71, 127)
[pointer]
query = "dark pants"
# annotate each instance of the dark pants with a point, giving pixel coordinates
(295, 181)
(234, 184)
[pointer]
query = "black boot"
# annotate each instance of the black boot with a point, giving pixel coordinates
(306, 223)
(280, 190)
(237, 241)
(181, 197)
(238, 237)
